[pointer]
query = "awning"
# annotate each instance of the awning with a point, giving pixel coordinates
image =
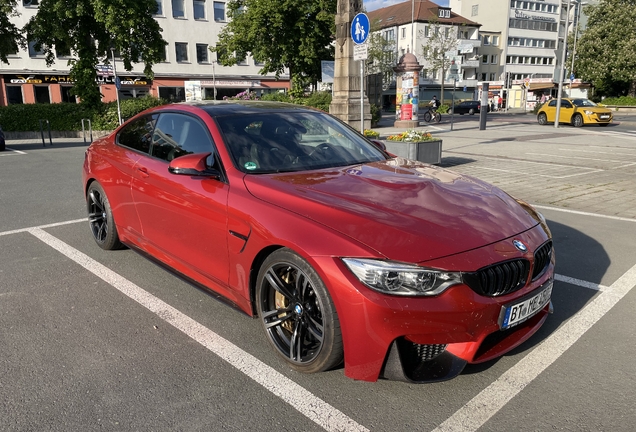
(540, 86)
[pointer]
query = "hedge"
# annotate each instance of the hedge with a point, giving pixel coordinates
(620, 101)
(68, 116)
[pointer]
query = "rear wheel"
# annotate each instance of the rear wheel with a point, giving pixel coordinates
(100, 218)
(577, 120)
(471, 111)
(438, 117)
(542, 119)
(297, 313)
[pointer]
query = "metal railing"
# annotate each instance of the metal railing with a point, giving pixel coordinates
(42, 132)
(90, 130)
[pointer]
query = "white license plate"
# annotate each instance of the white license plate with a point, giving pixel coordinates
(604, 116)
(517, 313)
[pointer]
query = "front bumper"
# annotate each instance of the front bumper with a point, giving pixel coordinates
(381, 331)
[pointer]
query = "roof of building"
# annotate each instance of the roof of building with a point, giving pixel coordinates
(424, 11)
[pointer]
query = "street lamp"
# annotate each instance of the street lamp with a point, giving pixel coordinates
(562, 68)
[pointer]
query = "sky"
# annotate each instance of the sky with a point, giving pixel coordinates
(377, 4)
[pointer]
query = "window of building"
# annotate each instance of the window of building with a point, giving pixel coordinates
(178, 9)
(62, 50)
(486, 40)
(67, 96)
(159, 8)
(42, 94)
(493, 58)
(447, 32)
(484, 59)
(427, 31)
(33, 52)
(495, 41)
(30, 3)
(181, 51)
(199, 9)
(483, 77)
(474, 10)
(14, 95)
(172, 94)
(443, 13)
(241, 61)
(403, 32)
(219, 11)
(493, 76)
(202, 53)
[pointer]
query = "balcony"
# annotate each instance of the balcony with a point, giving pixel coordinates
(476, 43)
(470, 64)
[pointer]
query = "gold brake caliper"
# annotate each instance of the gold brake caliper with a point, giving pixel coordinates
(282, 302)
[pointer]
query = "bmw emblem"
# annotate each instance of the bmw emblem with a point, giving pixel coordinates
(298, 309)
(519, 245)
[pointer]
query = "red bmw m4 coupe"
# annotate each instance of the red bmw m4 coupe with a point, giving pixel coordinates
(344, 252)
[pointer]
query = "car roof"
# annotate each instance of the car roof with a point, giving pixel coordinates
(239, 107)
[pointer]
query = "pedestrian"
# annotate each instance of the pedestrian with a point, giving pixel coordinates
(500, 103)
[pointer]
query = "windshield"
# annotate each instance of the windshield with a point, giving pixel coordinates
(293, 141)
(583, 103)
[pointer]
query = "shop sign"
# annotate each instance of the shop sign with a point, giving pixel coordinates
(125, 80)
(65, 79)
(232, 83)
(522, 15)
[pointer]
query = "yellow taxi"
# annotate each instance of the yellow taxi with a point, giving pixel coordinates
(576, 111)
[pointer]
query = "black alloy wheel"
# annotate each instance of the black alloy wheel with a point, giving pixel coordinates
(427, 116)
(577, 120)
(542, 119)
(471, 111)
(297, 313)
(100, 218)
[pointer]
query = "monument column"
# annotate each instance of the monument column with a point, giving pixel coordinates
(346, 82)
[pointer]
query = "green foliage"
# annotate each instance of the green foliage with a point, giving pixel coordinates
(89, 28)
(620, 101)
(537, 107)
(320, 100)
(68, 116)
(276, 97)
(437, 45)
(10, 35)
(283, 34)
(376, 114)
(606, 50)
(381, 53)
(443, 109)
(371, 133)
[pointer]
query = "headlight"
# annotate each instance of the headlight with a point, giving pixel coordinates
(402, 279)
(588, 112)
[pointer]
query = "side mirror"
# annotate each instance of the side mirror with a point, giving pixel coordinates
(193, 165)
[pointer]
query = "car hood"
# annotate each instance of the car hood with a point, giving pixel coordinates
(404, 210)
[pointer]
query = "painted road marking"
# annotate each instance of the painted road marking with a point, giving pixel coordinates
(493, 398)
(13, 152)
(314, 408)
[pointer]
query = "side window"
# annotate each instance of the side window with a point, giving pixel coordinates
(552, 103)
(137, 135)
(178, 135)
(566, 104)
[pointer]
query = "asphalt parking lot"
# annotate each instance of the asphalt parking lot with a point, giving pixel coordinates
(95, 340)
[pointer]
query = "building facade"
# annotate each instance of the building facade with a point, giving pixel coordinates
(529, 38)
(410, 26)
(189, 26)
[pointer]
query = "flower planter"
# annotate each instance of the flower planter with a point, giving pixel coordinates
(423, 151)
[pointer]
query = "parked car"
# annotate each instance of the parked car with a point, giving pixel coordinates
(468, 107)
(2, 141)
(576, 111)
(343, 252)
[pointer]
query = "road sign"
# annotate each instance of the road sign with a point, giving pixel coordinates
(360, 28)
(360, 52)
(118, 83)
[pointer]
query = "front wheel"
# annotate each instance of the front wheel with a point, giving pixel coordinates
(427, 116)
(542, 118)
(297, 313)
(577, 120)
(100, 218)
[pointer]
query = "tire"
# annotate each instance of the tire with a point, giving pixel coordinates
(100, 218)
(438, 117)
(427, 116)
(297, 313)
(450, 111)
(577, 120)
(542, 118)
(471, 111)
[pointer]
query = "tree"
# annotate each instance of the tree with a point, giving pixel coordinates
(282, 34)
(88, 29)
(606, 50)
(381, 53)
(10, 36)
(440, 40)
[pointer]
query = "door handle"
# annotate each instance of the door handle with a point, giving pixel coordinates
(143, 171)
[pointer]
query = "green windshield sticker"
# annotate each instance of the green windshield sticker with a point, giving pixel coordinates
(250, 165)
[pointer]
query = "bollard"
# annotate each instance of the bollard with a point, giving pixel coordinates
(90, 130)
(42, 132)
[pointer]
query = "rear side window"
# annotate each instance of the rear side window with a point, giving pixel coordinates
(178, 135)
(138, 134)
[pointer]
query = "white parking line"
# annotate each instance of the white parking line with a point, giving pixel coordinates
(16, 231)
(575, 157)
(317, 410)
(14, 152)
(493, 398)
(577, 212)
(579, 282)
